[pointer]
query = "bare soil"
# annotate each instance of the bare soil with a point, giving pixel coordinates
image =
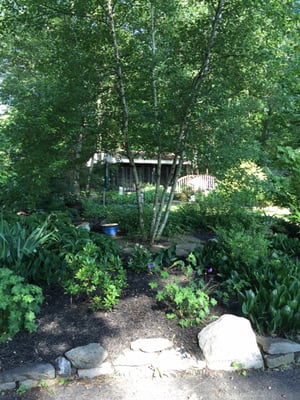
(64, 323)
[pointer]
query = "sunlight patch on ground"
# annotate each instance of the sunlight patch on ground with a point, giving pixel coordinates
(274, 211)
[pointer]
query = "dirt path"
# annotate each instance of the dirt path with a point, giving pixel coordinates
(256, 385)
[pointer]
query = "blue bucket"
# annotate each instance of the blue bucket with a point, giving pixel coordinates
(109, 229)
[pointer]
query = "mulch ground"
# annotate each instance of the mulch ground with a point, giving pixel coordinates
(64, 324)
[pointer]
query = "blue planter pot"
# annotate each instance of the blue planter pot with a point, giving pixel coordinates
(109, 229)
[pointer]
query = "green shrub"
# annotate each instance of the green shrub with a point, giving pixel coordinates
(19, 304)
(101, 277)
(186, 294)
(140, 259)
(287, 190)
(246, 185)
(210, 211)
(176, 224)
(261, 271)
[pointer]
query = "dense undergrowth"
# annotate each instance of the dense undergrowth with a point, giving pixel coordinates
(252, 261)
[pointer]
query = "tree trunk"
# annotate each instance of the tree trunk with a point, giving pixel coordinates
(155, 208)
(164, 210)
(125, 117)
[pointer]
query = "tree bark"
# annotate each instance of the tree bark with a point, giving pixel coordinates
(162, 215)
(125, 117)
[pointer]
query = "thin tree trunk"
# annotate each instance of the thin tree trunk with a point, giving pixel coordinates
(156, 125)
(162, 216)
(89, 177)
(125, 119)
(76, 173)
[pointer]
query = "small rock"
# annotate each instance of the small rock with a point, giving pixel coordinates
(63, 366)
(278, 360)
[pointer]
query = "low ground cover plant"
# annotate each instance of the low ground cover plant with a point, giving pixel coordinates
(19, 304)
(182, 286)
(40, 251)
(140, 260)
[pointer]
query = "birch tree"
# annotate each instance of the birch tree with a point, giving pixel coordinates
(188, 78)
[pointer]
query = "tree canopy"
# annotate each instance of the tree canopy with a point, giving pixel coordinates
(212, 81)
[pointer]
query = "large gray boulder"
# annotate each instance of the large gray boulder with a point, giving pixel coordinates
(89, 356)
(229, 343)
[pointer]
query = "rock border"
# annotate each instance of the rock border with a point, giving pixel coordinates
(146, 357)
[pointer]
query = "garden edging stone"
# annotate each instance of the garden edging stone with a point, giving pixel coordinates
(161, 359)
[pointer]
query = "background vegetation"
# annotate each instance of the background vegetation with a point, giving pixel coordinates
(209, 81)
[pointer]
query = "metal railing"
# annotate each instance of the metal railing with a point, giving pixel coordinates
(196, 182)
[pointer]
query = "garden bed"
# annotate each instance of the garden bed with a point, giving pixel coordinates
(63, 324)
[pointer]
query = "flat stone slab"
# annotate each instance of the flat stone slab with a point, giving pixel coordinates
(187, 245)
(174, 361)
(151, 345)
(277, 345)
(278, 360)
(131, 358)
(105, 369)
(141, 363)
(34, 372)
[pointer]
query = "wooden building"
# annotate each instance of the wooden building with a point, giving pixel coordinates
(119, 171)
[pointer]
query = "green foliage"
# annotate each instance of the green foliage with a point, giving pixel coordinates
(273, 303)
(176, 224)
(242, 248)
(140, 260)
(111, 197)
(22, 389)
(247, 104)
(101, 277)
(126, 215)
(262, 271)
(21, 248)
(245, 185)
(19, 304)
(41, 260)
(166, 257)
(289, 246)
(287, 191)
(185, 293)
(242, 188)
